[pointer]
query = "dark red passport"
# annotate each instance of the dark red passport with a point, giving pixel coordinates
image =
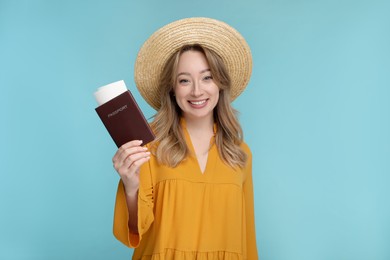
(124, 120)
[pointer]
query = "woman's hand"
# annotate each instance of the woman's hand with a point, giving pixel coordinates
(127, 161)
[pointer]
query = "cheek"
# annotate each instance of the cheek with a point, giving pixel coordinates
(181, 92)
(178, 97)
(217, 98)
(216, 93)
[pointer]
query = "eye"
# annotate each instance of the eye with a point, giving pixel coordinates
(208, 77)
(183, 81)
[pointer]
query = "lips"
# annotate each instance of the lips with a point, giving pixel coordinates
(198, 103)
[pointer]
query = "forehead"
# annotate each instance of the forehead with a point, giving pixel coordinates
(192, 59)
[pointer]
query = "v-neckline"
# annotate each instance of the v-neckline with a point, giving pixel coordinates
(210, 154)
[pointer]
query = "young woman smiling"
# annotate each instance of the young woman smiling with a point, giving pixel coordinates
(189, 194)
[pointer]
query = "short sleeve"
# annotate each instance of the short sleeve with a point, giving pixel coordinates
(145, 210)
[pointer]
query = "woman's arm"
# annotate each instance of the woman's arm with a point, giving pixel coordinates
(251, 249)
(127, 161)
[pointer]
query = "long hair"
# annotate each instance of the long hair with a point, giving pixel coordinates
(170, 147)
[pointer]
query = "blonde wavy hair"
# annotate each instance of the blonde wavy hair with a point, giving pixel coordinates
(170, 147)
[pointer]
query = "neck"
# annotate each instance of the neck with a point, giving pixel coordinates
(200, 125)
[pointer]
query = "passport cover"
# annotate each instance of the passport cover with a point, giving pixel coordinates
(124, 120)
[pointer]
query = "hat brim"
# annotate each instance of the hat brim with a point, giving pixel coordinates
(210, 33)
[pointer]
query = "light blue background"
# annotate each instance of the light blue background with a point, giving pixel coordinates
(316, 115)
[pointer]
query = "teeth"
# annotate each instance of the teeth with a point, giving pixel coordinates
(198, 102)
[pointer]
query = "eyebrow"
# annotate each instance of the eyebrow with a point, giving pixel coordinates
(188, 74)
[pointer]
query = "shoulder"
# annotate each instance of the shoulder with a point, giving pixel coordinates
(248, 161)
(245, 147)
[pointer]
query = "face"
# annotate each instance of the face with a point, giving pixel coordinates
(195, 91)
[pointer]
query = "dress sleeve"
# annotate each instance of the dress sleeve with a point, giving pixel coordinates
(145, 210)
(251, 248)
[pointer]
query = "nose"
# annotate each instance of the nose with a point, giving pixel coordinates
(196, 89)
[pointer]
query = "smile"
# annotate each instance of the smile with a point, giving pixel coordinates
(200, 102)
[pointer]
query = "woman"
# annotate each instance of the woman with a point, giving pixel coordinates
(189, 195)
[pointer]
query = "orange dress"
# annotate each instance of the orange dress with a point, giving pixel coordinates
(186, 214)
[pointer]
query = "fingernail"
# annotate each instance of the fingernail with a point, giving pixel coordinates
(140, 141)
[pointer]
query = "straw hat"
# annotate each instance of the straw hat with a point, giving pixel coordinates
(213, 34)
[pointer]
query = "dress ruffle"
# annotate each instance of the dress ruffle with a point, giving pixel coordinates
(172, 254)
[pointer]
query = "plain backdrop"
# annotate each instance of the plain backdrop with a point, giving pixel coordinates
(316, 115)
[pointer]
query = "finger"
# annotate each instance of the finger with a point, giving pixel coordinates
(131, 143)
(137, 164)
(133, 158)
(124, 147)
(130, 152)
